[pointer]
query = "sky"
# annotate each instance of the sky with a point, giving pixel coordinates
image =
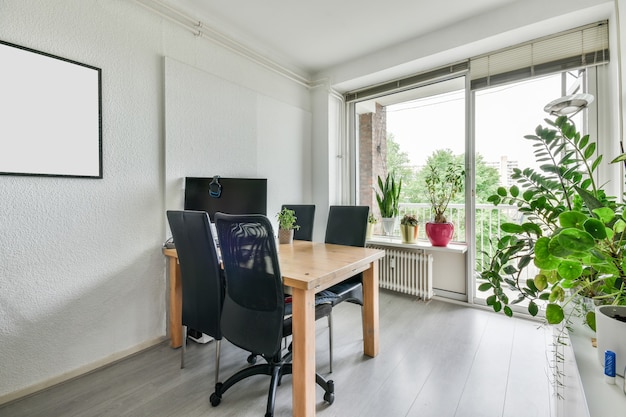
(503, 116)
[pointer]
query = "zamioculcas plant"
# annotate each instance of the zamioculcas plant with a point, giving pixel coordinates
(571, 232)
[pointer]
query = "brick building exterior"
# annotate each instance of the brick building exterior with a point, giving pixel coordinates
(372, 155)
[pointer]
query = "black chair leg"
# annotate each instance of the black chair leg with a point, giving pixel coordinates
(218, 343)
(271, 395)
(330, 340)
(221, 388)
(183, 348)
(276, 370)
(328, 386)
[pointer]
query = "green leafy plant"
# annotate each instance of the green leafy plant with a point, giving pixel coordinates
(572, 232)
(287, 219)
(409, 220)
(371, 219)
(389, 196)
(442, 185)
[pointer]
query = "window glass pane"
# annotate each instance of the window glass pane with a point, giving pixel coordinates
(402, 133)
(503, 116)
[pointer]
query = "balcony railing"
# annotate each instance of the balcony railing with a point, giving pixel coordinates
(488, 221)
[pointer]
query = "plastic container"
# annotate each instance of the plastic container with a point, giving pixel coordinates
(609, 367)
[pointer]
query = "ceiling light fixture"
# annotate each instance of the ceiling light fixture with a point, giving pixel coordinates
(568, 105)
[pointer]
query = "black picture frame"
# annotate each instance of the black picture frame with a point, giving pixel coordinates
(50, 115)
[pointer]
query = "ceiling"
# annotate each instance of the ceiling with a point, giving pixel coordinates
(317, 36)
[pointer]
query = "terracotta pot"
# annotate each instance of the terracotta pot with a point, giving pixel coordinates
(409, 233)
(439, 234)
(285, 236)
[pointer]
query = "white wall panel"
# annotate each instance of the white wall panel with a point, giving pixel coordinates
(82, 276)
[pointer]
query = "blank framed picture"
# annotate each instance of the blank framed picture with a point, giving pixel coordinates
(50, 115)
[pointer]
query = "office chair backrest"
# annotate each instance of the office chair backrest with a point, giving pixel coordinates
(305, 218)
(203, 289)
(254, 303)
(347, 225)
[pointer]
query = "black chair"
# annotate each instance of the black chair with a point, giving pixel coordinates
(202, 281)
(254, 305)
(305, 217)
(346, 225)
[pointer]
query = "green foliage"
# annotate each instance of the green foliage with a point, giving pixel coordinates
(414, 185)
(398, 161)
(287, 219)
(572, 232)
(442, 184)
(486, 177)
(409, 219)
(416, 190)
(389, 196)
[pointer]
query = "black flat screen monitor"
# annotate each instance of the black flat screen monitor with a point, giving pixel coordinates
(236, 195)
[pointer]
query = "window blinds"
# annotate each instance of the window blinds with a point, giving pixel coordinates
(407, 83)
(577, 48)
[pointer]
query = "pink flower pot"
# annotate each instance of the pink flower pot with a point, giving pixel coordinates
(439, 234)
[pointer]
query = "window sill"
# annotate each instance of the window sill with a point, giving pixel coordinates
(600, 398)
(395, 241)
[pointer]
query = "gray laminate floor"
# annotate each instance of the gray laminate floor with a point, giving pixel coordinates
(436, 359)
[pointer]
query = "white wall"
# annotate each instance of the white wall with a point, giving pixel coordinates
(217, 127)
(82, 277)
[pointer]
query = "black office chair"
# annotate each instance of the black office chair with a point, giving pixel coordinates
(254, 305)
(202, 281)
(346, 225)
(305, 217)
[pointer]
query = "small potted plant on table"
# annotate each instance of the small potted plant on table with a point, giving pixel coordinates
(286, 225)
(442, 185)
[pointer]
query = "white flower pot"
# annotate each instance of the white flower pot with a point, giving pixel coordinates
(611, 335)
(389, 224)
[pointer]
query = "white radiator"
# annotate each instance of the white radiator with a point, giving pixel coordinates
(406, 271)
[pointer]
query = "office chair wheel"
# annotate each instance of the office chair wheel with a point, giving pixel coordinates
(216, 398)
(252, 359)
(329, 397)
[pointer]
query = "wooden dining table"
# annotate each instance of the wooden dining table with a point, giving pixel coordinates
(307, 268)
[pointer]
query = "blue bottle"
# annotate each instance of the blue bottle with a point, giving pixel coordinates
(609, 367)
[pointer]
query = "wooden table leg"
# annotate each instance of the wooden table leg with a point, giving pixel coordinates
(303, 353)
(176, 305)
(370, 310)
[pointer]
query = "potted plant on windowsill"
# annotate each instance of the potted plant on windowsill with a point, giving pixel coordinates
(371, 223)
(572, 233)
(442, 185)
(408, 228)
(388, 200)
(286, 225)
